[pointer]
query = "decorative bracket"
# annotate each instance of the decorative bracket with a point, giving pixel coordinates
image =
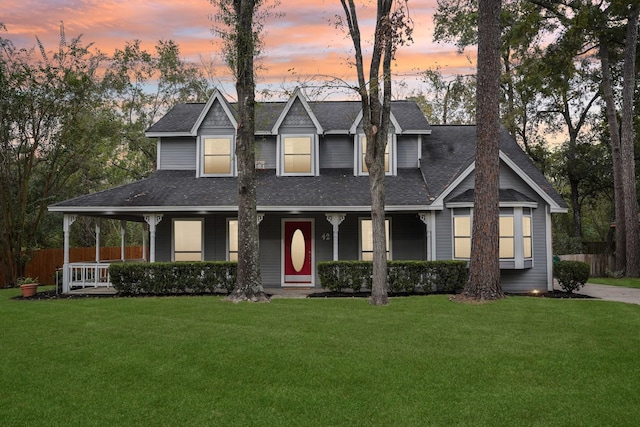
(153, 219)
(336, 219)
(424, 217)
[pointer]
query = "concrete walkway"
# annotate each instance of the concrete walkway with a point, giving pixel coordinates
(611, 293)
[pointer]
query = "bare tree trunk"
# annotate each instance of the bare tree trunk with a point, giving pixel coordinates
(249, 284)
(375, 122)
(627, 146)
(614, 131)
(484, 267)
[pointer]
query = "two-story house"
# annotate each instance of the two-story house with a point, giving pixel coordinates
(313, 192)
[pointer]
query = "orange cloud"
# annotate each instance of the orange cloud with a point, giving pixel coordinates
(299, 43)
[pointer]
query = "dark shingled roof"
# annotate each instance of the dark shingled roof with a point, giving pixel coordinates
(450, 149)
(181, 189)
(506, 195)
(332, 115)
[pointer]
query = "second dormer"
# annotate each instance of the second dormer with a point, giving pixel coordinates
(298, 135)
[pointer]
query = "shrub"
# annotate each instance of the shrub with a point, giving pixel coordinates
(402, 276)
(163, 278)
(571, 275)
(341, 275)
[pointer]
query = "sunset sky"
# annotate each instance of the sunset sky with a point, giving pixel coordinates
(298, 45)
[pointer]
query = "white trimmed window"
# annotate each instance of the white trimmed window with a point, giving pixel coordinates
(298, 154)
(361, 151)
(217, 156)
(188, 240)
(366, 239)
(232, 239)
(515, 228)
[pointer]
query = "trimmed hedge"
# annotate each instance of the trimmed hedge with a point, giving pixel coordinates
(571, 275)
(163, 278)
(402, 276)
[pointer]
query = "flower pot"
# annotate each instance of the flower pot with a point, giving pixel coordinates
(29, 289)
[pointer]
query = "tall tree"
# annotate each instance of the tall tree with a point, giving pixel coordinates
(142, 86)
(616, 158)
(602, 26)
(52, 124)
(241, 39)
(392, 29)
(632, 229)
(447, 100)
(484, 267)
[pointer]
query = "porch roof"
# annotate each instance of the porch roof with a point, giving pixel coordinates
(181, 191)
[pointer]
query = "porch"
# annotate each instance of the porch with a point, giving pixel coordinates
(91, 277)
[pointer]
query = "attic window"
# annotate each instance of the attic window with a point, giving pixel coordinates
(361, 148)
(217, 156)
(297, 154)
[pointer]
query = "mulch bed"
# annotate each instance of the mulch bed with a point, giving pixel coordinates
(51, 294)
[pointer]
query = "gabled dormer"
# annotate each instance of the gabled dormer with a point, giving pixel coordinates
(298, 135)
(216, 137)
(360, 147)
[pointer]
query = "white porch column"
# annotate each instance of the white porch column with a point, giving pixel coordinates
(98, 223)
(123, 232)
(335, 219)
(145, 230)
(152, 220)
(67, 221)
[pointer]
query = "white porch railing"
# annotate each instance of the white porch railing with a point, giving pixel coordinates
(88, 274)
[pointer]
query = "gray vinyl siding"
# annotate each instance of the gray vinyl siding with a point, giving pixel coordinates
(297, 130)
(270, 250)
(509, 179)
(266, 151)
(336, 151)
(348, 235)
(443, 235)
(512, 280)
(407, 151)
(177, 154)
(163, 239)
(408, 239)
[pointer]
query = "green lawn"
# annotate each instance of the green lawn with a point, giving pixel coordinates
(625, 281)
(181, 361)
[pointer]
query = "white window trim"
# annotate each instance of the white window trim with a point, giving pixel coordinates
(315, 167)
(358, 155)
(173, 236)
(200, 155)
(519, 259)
(368, 218)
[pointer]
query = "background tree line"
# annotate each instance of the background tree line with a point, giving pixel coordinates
(567, 96)
(72, 121)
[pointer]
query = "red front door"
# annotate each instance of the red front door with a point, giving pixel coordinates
(298, 252)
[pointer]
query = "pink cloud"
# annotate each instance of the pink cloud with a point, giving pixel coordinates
(302, 39)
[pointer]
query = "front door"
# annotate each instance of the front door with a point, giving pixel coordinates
(298, 252)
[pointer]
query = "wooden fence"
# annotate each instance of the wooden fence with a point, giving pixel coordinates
(600, 263)
(44, 262)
